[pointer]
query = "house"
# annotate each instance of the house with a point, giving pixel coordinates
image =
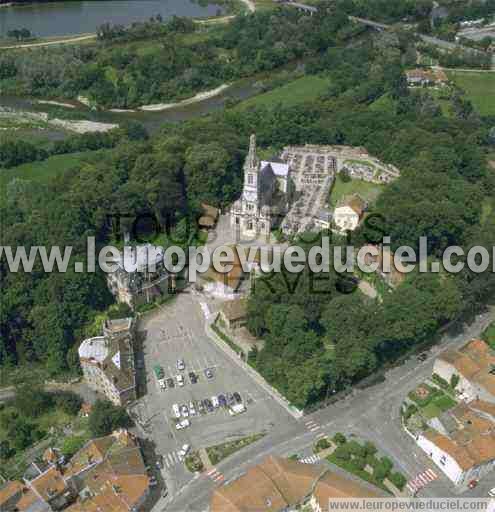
(474, 364)
(425, 77)
(233, 313)
(107, 361)
(348, 213)
(16, 496)
(140, 276)
(279, 484)
(323, 219)
(463, 444)
(106, 474)
(209, 217)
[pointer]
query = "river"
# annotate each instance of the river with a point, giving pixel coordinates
(73, 17)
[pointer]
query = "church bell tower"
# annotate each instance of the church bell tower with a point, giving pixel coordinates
(250, 191)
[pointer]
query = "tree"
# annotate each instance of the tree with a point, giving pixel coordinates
(31, 400)
(69, 402)
(106, 417)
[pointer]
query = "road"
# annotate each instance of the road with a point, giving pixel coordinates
(371, 414)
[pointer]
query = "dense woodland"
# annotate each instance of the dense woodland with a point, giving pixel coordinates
(315, 342)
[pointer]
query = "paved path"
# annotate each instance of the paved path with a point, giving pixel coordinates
(70, 40)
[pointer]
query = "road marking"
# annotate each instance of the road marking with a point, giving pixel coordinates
(215, 475)
(421, 480)
(313, 459)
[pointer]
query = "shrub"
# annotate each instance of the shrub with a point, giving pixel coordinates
(342, 452)
(339, 438)
(398, 479)
(321, 445)
(411, 409)
(440, 381)
(356, 449)
(106, 417)
(69, 402)
(369, 448)
(358, 463)
(454, 380)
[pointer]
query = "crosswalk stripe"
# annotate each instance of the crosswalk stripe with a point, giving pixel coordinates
(314, 429)
(214, 470)
(432, 473)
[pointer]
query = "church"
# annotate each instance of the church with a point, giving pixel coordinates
(265, 196)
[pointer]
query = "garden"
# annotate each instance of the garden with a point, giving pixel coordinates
(363, 461)
(221, 451)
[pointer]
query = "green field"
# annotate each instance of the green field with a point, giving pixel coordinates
(479, 88)
(41, 171)
(368, 191)
(303, 89)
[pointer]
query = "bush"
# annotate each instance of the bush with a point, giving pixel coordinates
(342, 452)
(321, 445)
(369, 448)
(31, 401)
(411, 409)
(69, 402)
(356, 449)
(398, 479)
(440, 381)
(382, 470)
(454, 380)
(120, 310)
(106, 417)
(358, 463)
(339, 438)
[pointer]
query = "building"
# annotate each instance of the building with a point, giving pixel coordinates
(265, 196)
(281, 485)
(233, 313)
(474, 364)
(108, 361)
(426, 77)
(106, 474)
(348, 213)
(141, 276)
(463, 443)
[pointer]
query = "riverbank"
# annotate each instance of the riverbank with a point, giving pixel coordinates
(51, 42)
(201, 96)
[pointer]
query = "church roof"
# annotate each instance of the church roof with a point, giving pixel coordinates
(278, 168)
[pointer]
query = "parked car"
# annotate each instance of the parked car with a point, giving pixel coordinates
(237, 409)
(193, 377)
(209, 373)
(159, 463)
(201, 407)
(192, 409)
(176, 410)
(170, 382)
(163, 384)
(209, 405)
(184, 451)
(237, 398)
(472, 484)
(180, 364)
(184, 411)
(491, 493)
(230, 398)
(180, 380)
(423, 356)
(222, 400)
(182, 424)
(215, 402)
(152, 481)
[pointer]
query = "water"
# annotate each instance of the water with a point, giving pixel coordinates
(68, 18)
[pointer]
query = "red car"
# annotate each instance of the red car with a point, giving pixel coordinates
(472, 484)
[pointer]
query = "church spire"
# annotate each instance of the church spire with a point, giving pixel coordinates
(252, 160)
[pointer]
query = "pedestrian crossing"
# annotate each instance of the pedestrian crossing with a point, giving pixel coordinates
(171, 459)
(312, 426)
(215, 475)
(313, 459)
(422, 480)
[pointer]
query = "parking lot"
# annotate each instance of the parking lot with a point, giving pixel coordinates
(176, 332)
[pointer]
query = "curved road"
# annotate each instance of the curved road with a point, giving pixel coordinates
(372, 414)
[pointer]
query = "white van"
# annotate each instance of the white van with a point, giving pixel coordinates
(237, 409)
(215, 402)
(176, 410)
(180, 380)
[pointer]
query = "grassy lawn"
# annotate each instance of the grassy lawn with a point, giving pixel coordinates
(480, 89)
(221, 451)
(368, 191)
(301, 90)
(42, 171)
(383, 104)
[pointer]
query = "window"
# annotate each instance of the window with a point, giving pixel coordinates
(237, 220)
(250, 179)
(250, 225)
(250, 206)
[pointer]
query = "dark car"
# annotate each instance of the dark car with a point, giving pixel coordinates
(237, 397)
(222, 400)
(230, 399)
(201, 407)
(209, 405)
(423, 356)
(170, 383)
(209, 373)
(193, 377)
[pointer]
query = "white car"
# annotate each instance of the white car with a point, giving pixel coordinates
(180, 380)
(491, 493)
(176, 410)
(215, 402)
(162, 384)
(182, 424)
(237, 409)
(184, 451)
(192, 409)
(181, 365)
(184, 411)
